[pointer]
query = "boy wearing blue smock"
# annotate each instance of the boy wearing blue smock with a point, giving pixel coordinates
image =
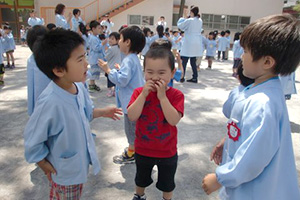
(58, 136)
(258, 159)
(127, 78)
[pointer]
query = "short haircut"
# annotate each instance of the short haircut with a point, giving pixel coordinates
(227, 31)
(222, 33)
(136, 37)
(34, 34)
(54, 50)
(59, 8)
(160, 31)
(160, 52)
(245, 81)
(277, 36)
(94, 24)
(161, 43)
(51, 26)
(146, 30)
(76, 11)
(116, 35)
(102, 36)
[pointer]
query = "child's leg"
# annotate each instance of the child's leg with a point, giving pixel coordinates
(12, 58)
(209, 63)
(8, 59)
(2, 71)
(95, 72)
(223, 55)
(219, 55)
(73, 192)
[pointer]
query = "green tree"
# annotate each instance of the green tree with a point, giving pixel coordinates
(297, 7)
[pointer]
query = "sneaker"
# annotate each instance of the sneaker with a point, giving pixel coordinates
(7, 66)
(182, 80)
(93, 88)
(208, 68)
(138, 197)
(12, 66)
(192, 80)
(110, 93)
(124, 158)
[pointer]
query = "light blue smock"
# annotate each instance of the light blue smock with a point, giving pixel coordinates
(260, 165)
(75, 23)
(59, 131)
(61, 22)
(211, 48)
(233, 95)
(35, 21)
(129, 77)
(237, 49)
(96, 52)
(113, 56)
(9, 42)
(222, 44)
(37, 81)
(192, 44)
(288, 84)
(147, 46)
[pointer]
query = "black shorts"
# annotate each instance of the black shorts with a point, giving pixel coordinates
(2, 71)
(166, 172)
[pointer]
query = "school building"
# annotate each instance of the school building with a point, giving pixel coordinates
(216, 15)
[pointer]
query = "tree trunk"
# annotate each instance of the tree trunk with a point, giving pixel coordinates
(182, 3)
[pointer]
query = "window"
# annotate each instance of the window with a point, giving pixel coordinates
(134, 19)
(175, 19)
(223, 22)
(148, 20)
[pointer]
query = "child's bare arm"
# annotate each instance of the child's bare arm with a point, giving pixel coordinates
(110, 112)
(170, 113)
(48, 169)
(136, 108)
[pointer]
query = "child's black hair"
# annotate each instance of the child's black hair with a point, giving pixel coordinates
(277, 36)
(102, 36)
(161, 43)
(213, 34)
(160, 31)
(82, 29)
(227, 31)
(222, 33)
(94, 24)
(76, 11)
(51, 26)
(245, 81)
(161, 50)
(116, 35)
(145, 31)
(54, 50)
(34, 34)
(136, 37)
(237, 36)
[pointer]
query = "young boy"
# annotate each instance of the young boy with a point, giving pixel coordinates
(258, 158)
(157, 109)
(37, 81)
(95, 54)
(222, 45)
(129, 77)
(113, 57)
(58, 136)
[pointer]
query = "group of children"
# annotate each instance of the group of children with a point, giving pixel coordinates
(256, 159)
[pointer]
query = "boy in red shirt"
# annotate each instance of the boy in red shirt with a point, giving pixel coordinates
(157, 109)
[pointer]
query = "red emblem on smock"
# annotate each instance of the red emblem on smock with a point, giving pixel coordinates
(233, 131)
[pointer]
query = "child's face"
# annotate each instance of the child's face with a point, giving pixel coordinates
(175, 34)
(252, 69)
(112, 41)
(97, 30)
(7, 31)
(76, 66)
(158, 69)
(210, 37)
(124, 45)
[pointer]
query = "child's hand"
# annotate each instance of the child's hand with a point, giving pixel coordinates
(161, 88)
(46, 166)
(149, 86)
(210, 183)
(217, 152)
(112, 112)
(117, 66)
(103, 65)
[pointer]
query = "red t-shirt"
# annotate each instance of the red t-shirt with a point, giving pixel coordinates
(155, 137)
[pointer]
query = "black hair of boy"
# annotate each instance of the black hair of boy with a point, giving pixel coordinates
(161, 52)
(160, 31)
(277, 36)
(51, 26)
(54, 50)
(116, 35)
(136, 37)
(146, 30)
(245, 81)
(34, 34)
(228, 32)
(222, 33)
(76, 11)
(102, 36)
(161, 43)
(94, 24)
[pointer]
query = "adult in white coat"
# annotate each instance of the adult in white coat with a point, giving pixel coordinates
(60, 20)
(192, 45)
(33, 20)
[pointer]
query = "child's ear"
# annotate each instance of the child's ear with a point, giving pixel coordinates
(269, 62)
(59, 72)
(128, 42)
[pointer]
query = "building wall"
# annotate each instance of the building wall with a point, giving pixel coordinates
(147, 8)
(255, 8)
